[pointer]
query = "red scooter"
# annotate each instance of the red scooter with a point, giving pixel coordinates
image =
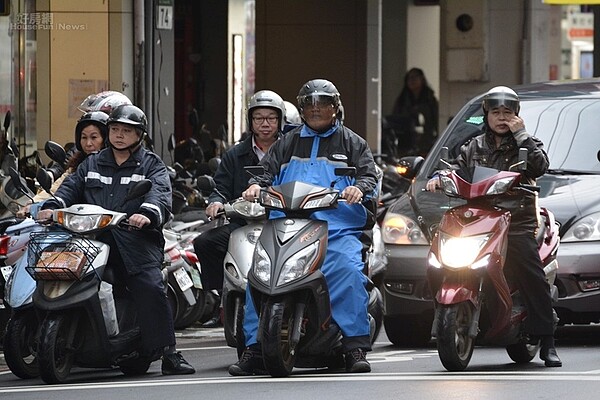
(474, 303)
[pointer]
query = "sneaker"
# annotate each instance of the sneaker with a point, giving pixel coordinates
(356, 361)
(250, 363)
(175, 364)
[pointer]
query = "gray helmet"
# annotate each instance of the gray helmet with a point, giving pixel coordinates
(318, 88)
(501, 96)
(268, 99)
(97, 118)
(104, 101)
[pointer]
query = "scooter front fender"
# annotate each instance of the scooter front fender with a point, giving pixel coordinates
(457, 292)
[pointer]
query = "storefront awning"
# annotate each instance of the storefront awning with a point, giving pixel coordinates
(586, 2)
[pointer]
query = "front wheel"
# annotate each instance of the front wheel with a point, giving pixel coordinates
(277, 321)
(56, 352)
(20, 344)
(455, 346)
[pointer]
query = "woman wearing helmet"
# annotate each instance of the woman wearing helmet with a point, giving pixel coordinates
(310, 153)
(90, 137)
(498, 147)
(105, 179)
(265, 113)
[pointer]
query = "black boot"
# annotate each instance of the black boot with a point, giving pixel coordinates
(250, 363)
(548, 352)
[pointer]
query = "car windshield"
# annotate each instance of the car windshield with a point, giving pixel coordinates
(569, 129)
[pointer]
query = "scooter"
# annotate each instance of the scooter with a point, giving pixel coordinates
(237, 263)
(81, 322)
(287, 286)
(474, 302)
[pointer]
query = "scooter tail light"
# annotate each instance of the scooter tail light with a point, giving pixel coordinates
(4, 245)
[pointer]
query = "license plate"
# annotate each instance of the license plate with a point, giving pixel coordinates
(6, 271)
(183, 279)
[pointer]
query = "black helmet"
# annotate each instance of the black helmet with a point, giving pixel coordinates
(130, 115)
(316, 88)
(268, 99)
(501, 96)
(104, 101)
(97, 118)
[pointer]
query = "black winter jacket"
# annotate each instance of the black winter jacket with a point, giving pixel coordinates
(99, 180)
(482, 151)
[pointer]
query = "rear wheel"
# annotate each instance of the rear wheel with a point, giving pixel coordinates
(192, 313)
(173, 301)
(240, 338)
(20, 344)
(56, 352)
(277, 319)
(522, 353)
(455, 346)
(376, 312)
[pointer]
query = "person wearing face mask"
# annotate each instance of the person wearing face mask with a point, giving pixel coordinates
(310, 153)
(104, 179)
(498, 147)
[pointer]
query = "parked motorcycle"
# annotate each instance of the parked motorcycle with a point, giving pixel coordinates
(287, 286)
(474, 302)
(82, 322)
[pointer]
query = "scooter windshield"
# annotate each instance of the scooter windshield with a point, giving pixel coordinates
(476, 174)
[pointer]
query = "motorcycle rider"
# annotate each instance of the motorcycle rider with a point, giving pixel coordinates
(103, 179)
(310, 153)
(266, 118)
(498, 147)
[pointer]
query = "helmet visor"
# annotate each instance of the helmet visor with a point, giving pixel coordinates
(316, 100)
(498, 101)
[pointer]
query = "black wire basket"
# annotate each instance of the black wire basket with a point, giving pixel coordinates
(60, 256)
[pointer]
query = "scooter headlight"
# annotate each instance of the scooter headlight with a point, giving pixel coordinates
(299, 264)
(448, 186)
(500, 186)
(261, 265)
(82, 223)
(460, 252)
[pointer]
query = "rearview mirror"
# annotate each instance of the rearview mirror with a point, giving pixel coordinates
(443, 162)
(55, 152)
(7, 121)
(44, 179)
(139, 189)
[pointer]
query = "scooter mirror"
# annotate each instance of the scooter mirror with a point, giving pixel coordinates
(442, 164)
(171, 143)
(139, 189)
(7, 121)
(205, 183)
(55, 152)
(345, 171)
(19, 182)
(522, 158)
(44, 179)
(254, 170)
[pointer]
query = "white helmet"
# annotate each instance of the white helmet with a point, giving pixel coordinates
(292, 116)
(501, 96)
(268, 99)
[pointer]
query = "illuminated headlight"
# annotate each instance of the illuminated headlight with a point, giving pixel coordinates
(448, 185)
(261, 264)
(323, 201)
(299, 264)
(83, 223)
(459, 252)
(500, 186)
(269, 200)
(586, 229)
(399, 229)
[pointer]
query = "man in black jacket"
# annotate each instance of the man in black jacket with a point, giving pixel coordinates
(498, 147)
(104, 179)
(266, 118)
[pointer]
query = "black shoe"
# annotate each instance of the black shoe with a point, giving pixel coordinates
(214, 322)
(175, 364)
(250, 363)
(356, 361)
(551, 359)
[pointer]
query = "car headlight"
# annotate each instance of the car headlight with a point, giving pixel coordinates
(458, 252)
(585, 229)
(299, 264)
(261, 264)
(400, 229)
(82, 223)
